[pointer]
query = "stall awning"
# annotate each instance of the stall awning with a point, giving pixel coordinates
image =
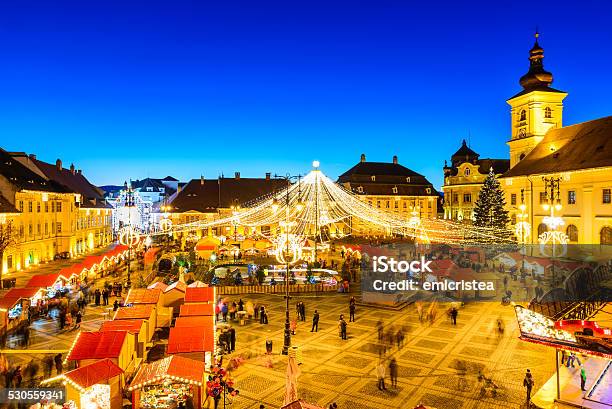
(135, 312)
(195, 321)
(97, 345)
(177, 285)
(188, 310)
(98, 372)
(176, 367)
(199, 294)
(196, 339)
(133, 326)
(46, 280)
(14, 295)
(143, 296)
(159, 285)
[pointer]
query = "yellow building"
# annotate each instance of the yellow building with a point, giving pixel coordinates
(578, 156)
(50, 216)
(390, 187)
(463, 180)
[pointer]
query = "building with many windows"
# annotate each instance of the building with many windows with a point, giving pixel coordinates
(463, 180)
(578, 156)
(391, 187)
(53, 211)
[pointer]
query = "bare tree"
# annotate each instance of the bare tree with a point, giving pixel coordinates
(7, 239)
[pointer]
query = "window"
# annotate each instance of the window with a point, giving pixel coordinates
(360, 189)
(605, 236)
(373, 178)
(571, 197)
(547, 112)
(455, 198)
(378, 204)
(543, 198)
(408, 179)
(58, 207)
(21, 230)
(52, 207)
(396, 205)
(513, 199)
(46, 228)
(467, 198)
(572, 233)
(542, 228)
(394, 189)
(59, 227)
(513, 219)
(466, 172)
(30, 207)
(21, 206)
(37, 207)
(30, 229)
(38, 229)
(46, 207)
(387, 204)
(9, 262)
(428, 190)
(405, 205)
(607, 196)
(523, 115)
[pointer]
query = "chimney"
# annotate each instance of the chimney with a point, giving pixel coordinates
(79, 172)
(202, 180)
(58, 164)
(268, 175)
(237, 175)
(72, 168)
(395, 159)
(362, 157)
(32, 156)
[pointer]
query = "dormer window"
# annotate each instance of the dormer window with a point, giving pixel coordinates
(373, 178)
(428, 190)
(408, 179)
(360, 189)
(466, 172)
(547, 112)
(394, 189)
(523, 115)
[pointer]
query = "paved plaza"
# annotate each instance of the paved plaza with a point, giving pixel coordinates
(438, 365)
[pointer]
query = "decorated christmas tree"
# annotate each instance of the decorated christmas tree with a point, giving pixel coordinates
(489, 209)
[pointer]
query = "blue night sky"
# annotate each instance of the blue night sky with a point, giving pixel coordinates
(188, 88)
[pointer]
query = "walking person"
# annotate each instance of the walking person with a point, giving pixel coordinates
(59, 364)
(262, 312)
(583, 378)
(79, 318)
(380, 327)
(224, 311)
(352, 312)
(380, 371)
(393, 372)
(315, 322)
(528, 384)
(48, 361)
(453, 314)
(303, 310)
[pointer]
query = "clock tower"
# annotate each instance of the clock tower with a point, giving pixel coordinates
(534, 110)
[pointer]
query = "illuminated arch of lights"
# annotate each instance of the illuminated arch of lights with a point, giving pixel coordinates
(316, 206)
(128, 236)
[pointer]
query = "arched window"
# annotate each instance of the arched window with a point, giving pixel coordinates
(542, 228)
(523, 115)
(466, 172)
(572, 233)
(605, 236)
(547, 112)
(522, 156)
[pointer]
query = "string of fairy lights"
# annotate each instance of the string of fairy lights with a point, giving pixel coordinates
(319, 208)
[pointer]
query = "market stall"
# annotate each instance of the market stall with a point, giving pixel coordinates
(147, 296)
(188, 310)
(94, 386)
(91, 346)
(143, 312)
(200, 295)
(165, 383)
(136, 327)
(15, 306)
(174, 295)
(53, 283)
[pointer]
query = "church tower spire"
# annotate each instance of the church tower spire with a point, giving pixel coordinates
(536, 109)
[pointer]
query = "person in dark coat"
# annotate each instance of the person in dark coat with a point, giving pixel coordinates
(59, 364)
(262, 313)
(79, 318)
(315, 322)
(393, 371)
(528, 384)
(97, 295)
(48, 361)
(453, 314)
(303, 311)
(352, 312)
(232, 339)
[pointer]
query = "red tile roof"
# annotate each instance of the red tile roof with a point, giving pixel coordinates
(177, 366)
(199, 294)
(197, 309)
(177, 285)
(133, 326)
(195, 321)
(97, 345)
(197, 339)
(44, 280)
(143, 296)
(159, 285)
(15, 294)
(138, 311)
(98, 372)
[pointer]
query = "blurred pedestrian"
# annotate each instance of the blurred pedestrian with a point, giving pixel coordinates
(393, 372)
(528, 384)
(315, 322)
(380, 372)
(59, 364)
(583, 378)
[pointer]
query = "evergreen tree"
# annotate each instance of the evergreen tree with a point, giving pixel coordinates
(489, 209)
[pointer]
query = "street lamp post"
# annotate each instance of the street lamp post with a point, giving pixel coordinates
(553, 202)
(287, 258)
